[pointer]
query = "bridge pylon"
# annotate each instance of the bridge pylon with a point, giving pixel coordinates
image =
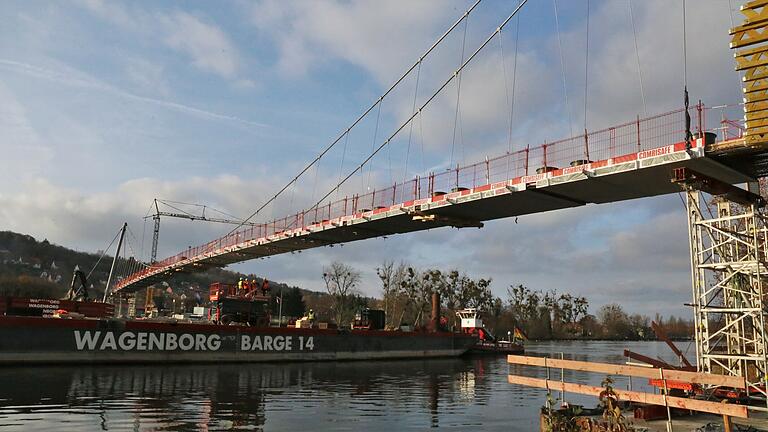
(729, 264)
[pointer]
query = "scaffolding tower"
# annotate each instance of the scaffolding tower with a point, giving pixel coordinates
(729, 249)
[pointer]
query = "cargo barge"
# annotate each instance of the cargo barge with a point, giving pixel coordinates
(42, 331)
(42, 340)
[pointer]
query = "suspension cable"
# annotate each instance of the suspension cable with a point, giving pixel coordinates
(373, 146)
(514, 85)
(343, 156)
(562, 67)
(104, 252)
(410, 132)
(586, 72)
(428, 101)
(458, 91)
(363, 115)
(637, 57)
(688, 135)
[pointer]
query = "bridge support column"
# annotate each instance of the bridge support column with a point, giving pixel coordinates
(729, 265)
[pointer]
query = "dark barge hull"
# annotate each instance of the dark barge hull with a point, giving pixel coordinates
(37, 340)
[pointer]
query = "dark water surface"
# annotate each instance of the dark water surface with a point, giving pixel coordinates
(468, 393)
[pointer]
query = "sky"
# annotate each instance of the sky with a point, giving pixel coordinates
(106, 105)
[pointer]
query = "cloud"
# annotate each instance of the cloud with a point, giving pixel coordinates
(207, 45)
(24, 152)
(72, 77)
(382, 37)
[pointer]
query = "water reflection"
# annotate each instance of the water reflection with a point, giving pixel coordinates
(451, 393)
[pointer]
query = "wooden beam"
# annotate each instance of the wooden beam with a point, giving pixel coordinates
(732, 410)
(626, 370)
(661, 334)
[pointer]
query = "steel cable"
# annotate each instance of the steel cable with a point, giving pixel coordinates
(428, 101)
(364, 114)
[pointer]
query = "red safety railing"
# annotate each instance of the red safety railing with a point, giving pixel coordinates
(625, 139)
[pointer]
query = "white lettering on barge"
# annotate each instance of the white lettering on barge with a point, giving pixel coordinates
(275, 343)
(145, 341)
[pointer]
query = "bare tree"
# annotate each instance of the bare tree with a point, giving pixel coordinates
(341, 283)
(391, 278)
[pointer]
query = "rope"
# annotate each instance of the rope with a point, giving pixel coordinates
(562, 67)
(458, 91)
(637, 57)
(363, 115)
(428, 101)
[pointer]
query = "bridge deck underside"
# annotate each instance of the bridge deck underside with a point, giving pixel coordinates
(619, 179)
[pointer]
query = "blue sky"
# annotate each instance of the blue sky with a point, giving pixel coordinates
(106, 105)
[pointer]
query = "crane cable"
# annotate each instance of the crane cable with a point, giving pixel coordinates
(428, 101)
(363, 115)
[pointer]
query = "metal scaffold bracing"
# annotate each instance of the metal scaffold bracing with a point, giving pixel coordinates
(729, 249)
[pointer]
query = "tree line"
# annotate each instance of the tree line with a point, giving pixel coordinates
(406, 293)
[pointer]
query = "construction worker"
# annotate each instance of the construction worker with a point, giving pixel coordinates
(265, 286)
(246, 286)
(240, 285)
(311, 316)
(254, 286)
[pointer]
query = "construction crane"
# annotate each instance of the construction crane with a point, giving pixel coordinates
(183, 214)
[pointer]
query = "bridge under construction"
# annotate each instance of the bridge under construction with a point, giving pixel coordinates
(683, 150)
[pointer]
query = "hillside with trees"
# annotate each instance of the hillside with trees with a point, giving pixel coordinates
(40, 269)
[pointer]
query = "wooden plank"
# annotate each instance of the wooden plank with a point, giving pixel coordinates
(637, 371)
(754, 4)
(757, 96)
(756, 86)
(633, 396)
(747, 36)
(763, 122)
(755, 74)
(756, 115)
(757, 60)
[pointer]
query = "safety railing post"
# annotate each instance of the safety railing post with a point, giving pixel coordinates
(487, 170)
(394, 193)
(544, 147)
(431, 185)
(527, 151)
(416, 188)
(457, 176)
(586, 144)
(700, 111)
(638, 133)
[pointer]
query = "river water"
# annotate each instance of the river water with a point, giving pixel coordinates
(457, 394)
